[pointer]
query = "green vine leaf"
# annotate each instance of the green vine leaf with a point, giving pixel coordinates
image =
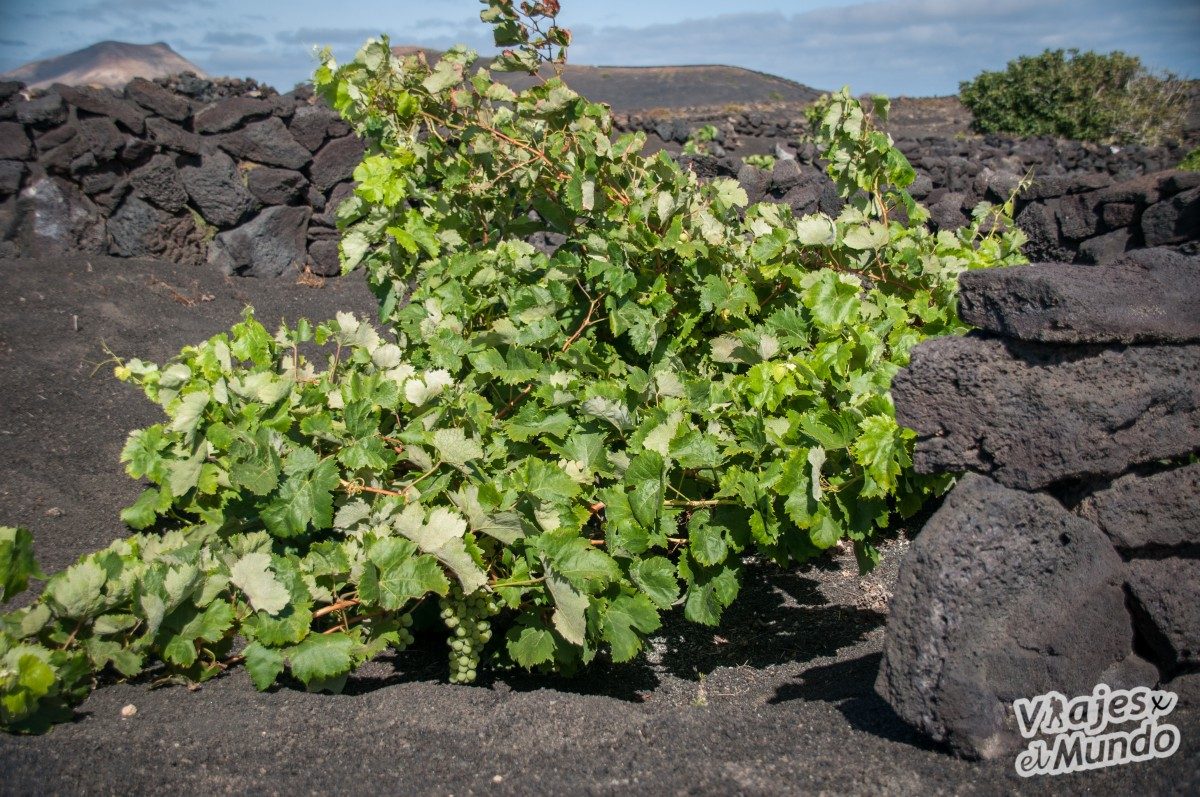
(253, 576)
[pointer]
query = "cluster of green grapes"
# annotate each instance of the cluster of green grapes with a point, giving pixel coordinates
(470, 629)
(404, 635)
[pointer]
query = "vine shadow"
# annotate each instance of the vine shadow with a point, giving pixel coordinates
(849, 685)
(779, 617)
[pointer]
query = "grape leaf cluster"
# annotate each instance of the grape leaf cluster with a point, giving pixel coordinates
(600, 384)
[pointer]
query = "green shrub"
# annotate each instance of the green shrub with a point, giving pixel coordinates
(1110, 98)
(760, 161)
(1192, 162)
(698, 141)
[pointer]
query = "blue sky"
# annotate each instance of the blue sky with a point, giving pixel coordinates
(913, 47)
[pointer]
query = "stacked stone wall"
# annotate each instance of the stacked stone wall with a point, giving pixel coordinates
(1069, 555)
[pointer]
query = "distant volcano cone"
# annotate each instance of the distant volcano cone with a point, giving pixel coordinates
(111, 64)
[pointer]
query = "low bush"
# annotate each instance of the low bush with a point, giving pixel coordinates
(1108, 98)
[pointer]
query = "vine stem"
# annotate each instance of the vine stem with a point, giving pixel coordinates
(587, 322)
(500, 176)
(71, 638)
(347, 622)
(672, 540)
(423, 477)
(696, 504)
(516, 399)
(527, 147)
(354, 488)
(344, 603)
(527, 583)
(532, 150)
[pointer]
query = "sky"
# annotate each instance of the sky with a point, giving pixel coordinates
(895, 47)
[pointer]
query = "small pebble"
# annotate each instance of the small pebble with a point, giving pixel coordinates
(54, 512)
(128, 711)
(497, 778)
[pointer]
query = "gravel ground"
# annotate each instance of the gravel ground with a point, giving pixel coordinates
(779, 700)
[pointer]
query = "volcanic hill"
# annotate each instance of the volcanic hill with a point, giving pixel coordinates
(106, 63)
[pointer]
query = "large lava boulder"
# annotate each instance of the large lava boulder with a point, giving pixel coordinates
(1004, 595)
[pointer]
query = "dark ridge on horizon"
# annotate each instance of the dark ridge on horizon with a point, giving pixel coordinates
(625, 88)
(639, 88)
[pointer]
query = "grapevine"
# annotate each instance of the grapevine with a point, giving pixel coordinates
(550, 444)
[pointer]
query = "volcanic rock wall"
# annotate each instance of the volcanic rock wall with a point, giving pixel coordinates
(951, 162)
(233, 174)
(186, 169)
(1069, 555)
(1082, 217)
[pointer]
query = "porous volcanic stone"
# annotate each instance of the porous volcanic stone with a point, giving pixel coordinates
(1003, 594)
(100, 137)
(921, 186)
(136, 148)
(56, 137)
(44, 111)
(1173, 220)
(1162, 510)
(1118, 214)
(1049, 186)
(267, 246)
(108, 201)
(1165, 595)
(1155, 298)
(173, 137)
(337, 196)
(1039, 222)
(1032, 414)
(323, 257)
(267, 142)
(316, 200)
(14, 143)
(1078, 217)
(104, 103)
(1104, 249)
(1140, 191)
(10, 177)
(754, 181)
(159, 182)
(230, 114)
(336, 161)
(8, 228)
(946, 213)
(8, 88)
(216, 189)
(55, 218)
(84, 162)
(277, 186)
(137, 229)
(156, 99)
(103, 179)
(786, 173)
(310, 125)
(803, 199)
(1178, 181)
(282, 106)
